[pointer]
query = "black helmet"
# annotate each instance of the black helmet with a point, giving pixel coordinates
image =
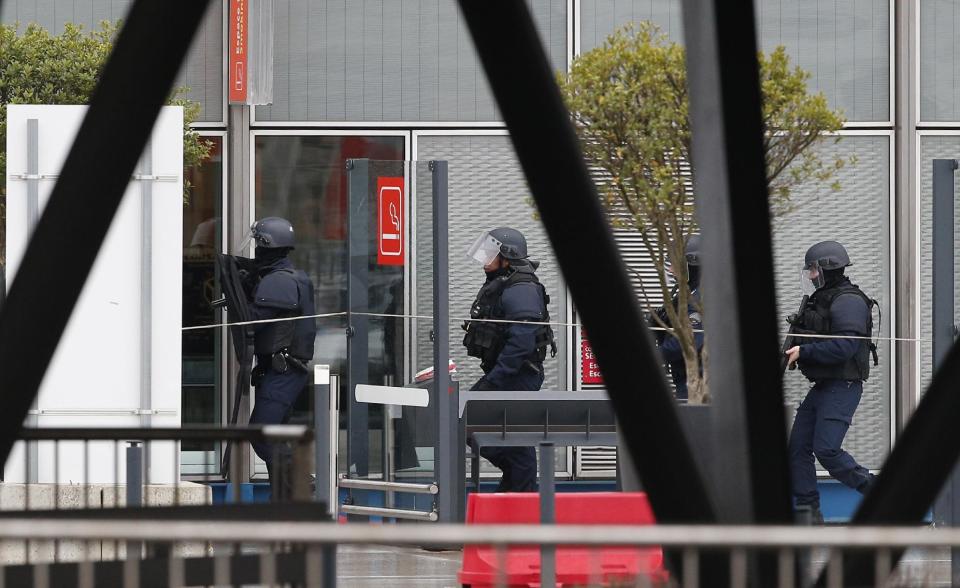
(691, 251)
(513, 245)
(828, 255)
(272, 232)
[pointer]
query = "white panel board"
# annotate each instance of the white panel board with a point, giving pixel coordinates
(394, 395)
(94, 379)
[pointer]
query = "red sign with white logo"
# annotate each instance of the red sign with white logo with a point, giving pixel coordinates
(390, 221)
(589, 368)
(237, 58)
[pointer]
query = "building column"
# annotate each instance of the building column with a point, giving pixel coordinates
(237, 222)
(907, 219)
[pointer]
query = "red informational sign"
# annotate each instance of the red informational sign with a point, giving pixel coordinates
(390, 221)
(589, 369)
(237, 58)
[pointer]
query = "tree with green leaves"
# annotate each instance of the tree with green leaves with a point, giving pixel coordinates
(629, 104)
(37, 67)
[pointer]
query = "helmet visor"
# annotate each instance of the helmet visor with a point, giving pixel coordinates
(811, 278)
(485, 249)
(248, 238)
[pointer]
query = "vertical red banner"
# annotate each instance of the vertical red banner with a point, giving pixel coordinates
(237, 58)
(589, 368)
(390, 221)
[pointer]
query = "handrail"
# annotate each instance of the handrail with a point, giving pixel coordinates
(188, 433)
(690, 536)
(407, 487)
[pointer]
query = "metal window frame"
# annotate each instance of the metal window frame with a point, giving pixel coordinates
(921, 124)
(572, 37)
(224, 340)
(225, 35)
(566, 305)
(570, 381)
(895, 356)
(892, 85)
(891, 95)
(917, 269)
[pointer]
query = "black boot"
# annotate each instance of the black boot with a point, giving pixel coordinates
(808, 514)
(867, 484)
(816, 517)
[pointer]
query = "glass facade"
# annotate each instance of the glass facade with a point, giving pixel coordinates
(399, 80)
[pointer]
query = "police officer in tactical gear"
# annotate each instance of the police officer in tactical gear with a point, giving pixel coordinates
(836, 366)
(670, 348)
(511, 353)
(283, 349)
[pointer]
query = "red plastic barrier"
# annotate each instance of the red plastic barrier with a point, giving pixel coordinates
(575, 566)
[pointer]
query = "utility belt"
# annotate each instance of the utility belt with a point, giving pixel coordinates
(534, 366)
(280, 362)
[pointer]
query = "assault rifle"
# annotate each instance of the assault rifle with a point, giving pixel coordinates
(788, 342)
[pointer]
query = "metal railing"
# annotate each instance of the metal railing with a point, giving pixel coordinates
(141, 457)
(302, 551)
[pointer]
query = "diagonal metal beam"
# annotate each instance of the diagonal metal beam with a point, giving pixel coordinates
(545, 142)
(135, 83)
(739, 296)
(921, 461)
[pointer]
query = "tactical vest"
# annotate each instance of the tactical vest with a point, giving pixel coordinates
(297, 337)
(815, 320)
(485, 340)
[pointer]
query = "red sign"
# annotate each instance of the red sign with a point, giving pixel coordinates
(237, 58)
(390, 221)
(589, 369)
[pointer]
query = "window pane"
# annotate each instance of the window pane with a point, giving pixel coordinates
(302, 179)
(946, 147)
(202, 222)
(386, 60)
(858, 216)
(939, 66)
(844, 44)
(202, 73)
(486, 190)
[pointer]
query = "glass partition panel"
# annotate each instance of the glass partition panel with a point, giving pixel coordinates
(304, 178)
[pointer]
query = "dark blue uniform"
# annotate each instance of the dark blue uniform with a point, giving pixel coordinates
(517, 367)
(672, 352)
(281, 292)
(826, 413)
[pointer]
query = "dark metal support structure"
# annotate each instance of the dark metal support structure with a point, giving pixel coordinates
(358, 329)
(947, 507)
(926, 453)
(136, 81)
(548, 514)
(524, 86)
(135, 479)
(732, 201)
(448, 427)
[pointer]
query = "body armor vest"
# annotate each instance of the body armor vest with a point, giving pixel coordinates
(815, 320)
(485, 340)
(296, 337)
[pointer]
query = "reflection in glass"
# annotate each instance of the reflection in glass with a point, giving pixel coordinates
(202, 222)
(303, 179)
